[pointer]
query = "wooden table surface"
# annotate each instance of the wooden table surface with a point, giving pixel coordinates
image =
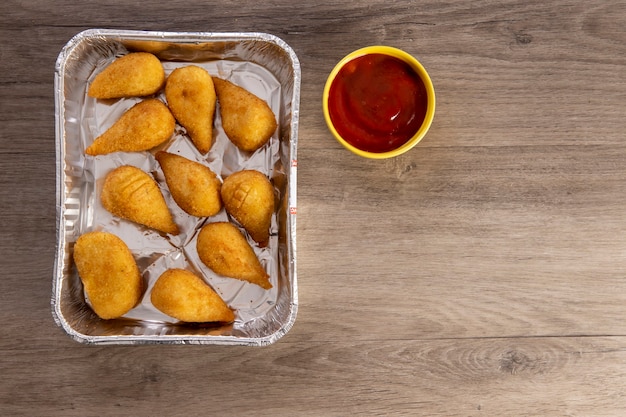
(483, 273)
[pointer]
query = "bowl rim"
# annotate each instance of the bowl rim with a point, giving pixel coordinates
(421, 72)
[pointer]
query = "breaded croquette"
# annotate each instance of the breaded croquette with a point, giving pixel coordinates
(144, 126)
(185, 296)
(137, 74)
(248, 196)
(190, 95)
(225, 250)
(109, 274)
(194, 187)
(131, 194)
(247, 120)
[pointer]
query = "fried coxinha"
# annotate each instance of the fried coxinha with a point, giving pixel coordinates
(181, 294)
(248, 121)
(137, 74)
(190, 95)
(131, 194)
(225, 250)
(248, 196)
(194, 187)
(109, 274)
(145, 125)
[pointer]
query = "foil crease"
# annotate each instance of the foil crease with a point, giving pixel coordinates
(259, 62)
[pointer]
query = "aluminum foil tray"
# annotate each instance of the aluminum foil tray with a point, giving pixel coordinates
(261, 63)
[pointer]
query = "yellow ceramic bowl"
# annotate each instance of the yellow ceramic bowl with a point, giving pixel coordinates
(419, 70)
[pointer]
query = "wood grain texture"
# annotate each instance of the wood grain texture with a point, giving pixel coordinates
(480, 274)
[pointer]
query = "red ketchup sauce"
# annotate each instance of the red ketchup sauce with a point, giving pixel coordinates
(377, 102)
